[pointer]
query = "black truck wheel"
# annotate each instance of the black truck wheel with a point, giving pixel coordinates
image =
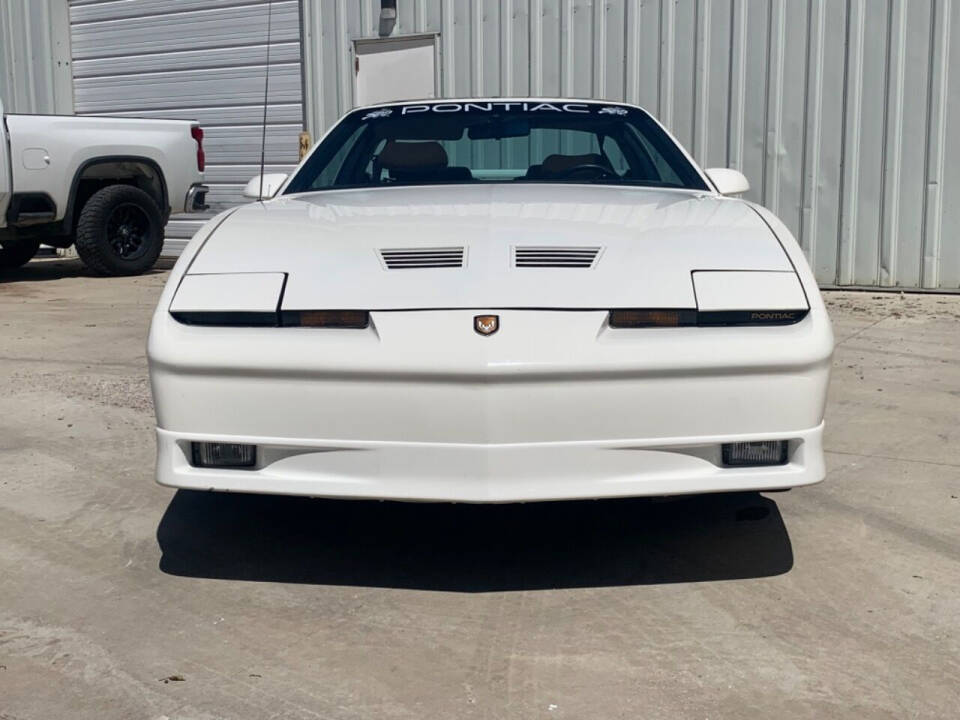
(119, 231)
(14, 252)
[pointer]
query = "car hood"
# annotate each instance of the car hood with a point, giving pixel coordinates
(333, 246)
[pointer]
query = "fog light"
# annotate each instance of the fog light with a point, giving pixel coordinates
(767, 452)
(207, 454)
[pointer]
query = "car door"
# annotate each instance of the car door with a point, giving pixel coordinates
(5, 187)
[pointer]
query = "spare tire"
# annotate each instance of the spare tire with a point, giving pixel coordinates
(15, 251)
(119, 231)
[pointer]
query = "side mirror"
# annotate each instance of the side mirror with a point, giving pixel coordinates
(271, 183)
(728, 181)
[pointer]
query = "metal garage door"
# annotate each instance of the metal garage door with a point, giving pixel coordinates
(196, 59)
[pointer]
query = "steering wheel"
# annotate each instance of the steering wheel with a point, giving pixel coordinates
(592, 170)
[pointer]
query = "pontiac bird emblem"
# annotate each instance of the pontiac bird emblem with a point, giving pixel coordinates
(486, 324)
(382, 113)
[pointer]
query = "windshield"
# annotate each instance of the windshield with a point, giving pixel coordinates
(496, 142)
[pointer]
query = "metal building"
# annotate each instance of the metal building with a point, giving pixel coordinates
(844, 114)
(35, 57)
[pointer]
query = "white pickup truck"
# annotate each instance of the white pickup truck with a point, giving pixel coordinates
(106, 185)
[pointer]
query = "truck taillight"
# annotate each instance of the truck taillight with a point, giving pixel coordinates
(197, 133)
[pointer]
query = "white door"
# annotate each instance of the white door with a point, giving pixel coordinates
(4, 169)
(391, 69)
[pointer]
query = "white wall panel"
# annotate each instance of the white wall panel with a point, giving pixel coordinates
(209, 87)
(90, 10)
(226, 25)
(844, 115)
(201, 60)
(245, 55)
(209, 117)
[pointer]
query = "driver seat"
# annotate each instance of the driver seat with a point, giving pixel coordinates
(418, 162)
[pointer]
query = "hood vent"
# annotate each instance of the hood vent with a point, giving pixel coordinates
(544, 256)
(403, 258)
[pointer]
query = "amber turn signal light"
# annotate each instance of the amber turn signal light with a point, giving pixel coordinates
(356, 319)
(652, 318)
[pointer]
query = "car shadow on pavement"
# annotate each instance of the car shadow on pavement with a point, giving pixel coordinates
(473, 548)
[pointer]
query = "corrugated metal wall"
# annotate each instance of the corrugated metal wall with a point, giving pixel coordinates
(196, 59)
(844, 114)
(35, 57)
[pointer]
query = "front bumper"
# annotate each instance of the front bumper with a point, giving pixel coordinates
(490, 473)
(555, 406)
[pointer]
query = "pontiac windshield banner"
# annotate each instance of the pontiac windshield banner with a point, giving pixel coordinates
(499, 106)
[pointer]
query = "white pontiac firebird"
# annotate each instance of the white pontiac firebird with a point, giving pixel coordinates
(492, 300)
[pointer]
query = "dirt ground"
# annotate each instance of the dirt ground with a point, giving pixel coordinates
(121, 599)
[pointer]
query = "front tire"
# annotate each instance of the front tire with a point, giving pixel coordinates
(15, 252)
(120, 231)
